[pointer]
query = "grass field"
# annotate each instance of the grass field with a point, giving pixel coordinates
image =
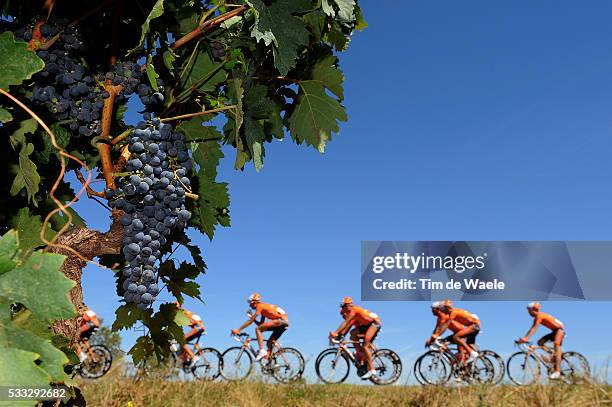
(115, 391)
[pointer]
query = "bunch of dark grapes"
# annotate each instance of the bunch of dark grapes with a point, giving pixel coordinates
(64, 86)
(132, 79)
(153, 200)
(217, 50)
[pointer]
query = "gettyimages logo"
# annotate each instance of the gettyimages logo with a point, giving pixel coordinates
(412, 264)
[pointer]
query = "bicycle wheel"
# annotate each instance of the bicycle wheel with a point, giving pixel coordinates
(98, 364)
(237, 363)
(432, 368)
(388, 366)
(151, 368)
(287, 365)
(209, 366)
(499, 366)
(480, 371)
(332, 366)
(579, 365)
(523, 368)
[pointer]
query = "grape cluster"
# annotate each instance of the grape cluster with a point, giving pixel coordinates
(64, 86)
(217, 50)
(152, 198)
(130, 76)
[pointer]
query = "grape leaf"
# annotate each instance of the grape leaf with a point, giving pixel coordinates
(52, 360)
(316, 114)
(38, 284)
(8, 251)
(18, 62)
(156, 11)
(213, 203)
(27, 373)
(28, 227)
(288, 30)
(201, 74)
(125, 317)
(62, 137)
(5, 116)
(27, 173)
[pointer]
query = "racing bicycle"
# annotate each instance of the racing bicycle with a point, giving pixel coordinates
(284, 364)
(98, 363)
(334, 364)
(525, 366)
(178, 364)
(442, 362)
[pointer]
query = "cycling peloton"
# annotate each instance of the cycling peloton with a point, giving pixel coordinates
(365, 323)
(197, 329)
(465, 337)
(556, 335)
(89, 325)
(277, 323)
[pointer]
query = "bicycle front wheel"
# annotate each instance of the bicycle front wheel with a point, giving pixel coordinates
(432, 368)
(388, 366)
(209, 366)
(499, 366)
(98, 364)
(523, 368)
(237, 364)
(287, 365)
(332, 366)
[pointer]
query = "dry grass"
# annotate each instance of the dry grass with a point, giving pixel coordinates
(117, 391)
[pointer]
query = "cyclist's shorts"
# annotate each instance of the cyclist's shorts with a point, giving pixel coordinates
(195, 333)
(91, 328)
(471, 338)
(555, 336)
(279, 330)
(362, 329)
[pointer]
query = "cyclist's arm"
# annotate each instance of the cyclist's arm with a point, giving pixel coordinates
(248, 322)
(344, 326)
(531, 330)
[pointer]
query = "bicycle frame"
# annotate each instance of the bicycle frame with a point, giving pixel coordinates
(532, 350)
(343, 347)
(245, 341)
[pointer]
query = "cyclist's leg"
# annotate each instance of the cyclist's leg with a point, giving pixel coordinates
(549, 337)
(558, 341)
(370, 335)
(459, 336)
(268, 326)
(354, 335)
(194, 334)
(276, 334)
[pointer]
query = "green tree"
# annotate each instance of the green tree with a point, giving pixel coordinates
(111, 339)
(234, 74)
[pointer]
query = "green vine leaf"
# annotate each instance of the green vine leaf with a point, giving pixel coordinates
(316, 114)
(27, 173)
(5, 116)
(18, 62)
(156, 11)
(278, 24)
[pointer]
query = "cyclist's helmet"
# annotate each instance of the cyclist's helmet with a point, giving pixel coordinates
(437, 305)
(536, 306)
(255, 297)
(346, 301)
(447, 304)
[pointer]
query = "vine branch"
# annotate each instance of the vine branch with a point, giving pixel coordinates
(202, 113)
(207, 26)
(90, 191)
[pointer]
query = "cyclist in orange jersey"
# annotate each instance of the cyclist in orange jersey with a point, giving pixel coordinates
(454, 326)
(365, 323)
(556, 335)
(197, 330)
(466, 337)
(89, 324)
(277, 323)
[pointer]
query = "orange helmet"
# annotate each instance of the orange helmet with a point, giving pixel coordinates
(346, 301)
(448, 304)
(178, 304)
(534, 306)
(255, 297)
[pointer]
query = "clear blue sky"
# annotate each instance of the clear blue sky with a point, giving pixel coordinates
(467, 121)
